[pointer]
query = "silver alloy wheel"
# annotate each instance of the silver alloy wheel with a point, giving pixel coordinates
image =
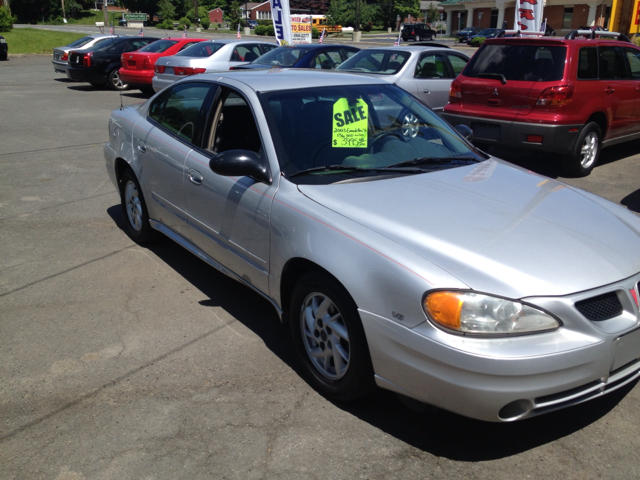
(410, 125)
(589, 150)
(325, 336)
(134, 207)
(116, 81)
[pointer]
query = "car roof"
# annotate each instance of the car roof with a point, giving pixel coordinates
(292, 78)
(408, 48)
(314, 46)
(559, 41)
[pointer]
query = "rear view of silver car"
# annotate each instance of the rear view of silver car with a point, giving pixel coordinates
(61, 54)
(206, 57)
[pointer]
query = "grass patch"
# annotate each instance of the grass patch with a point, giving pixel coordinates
(30, 40)
(90, 17)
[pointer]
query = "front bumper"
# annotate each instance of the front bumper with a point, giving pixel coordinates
(507, 379)
(509, 134)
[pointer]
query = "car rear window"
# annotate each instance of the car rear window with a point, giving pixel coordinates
(80, 42)
(533, 63)
(202, 49)
(159, 46)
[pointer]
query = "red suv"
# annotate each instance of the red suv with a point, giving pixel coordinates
(572, 96)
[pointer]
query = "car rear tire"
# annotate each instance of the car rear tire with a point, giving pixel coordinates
(417, 38)
(115, 82)
(432, 37)
(135, 210)
(329, 338)
(586, 152)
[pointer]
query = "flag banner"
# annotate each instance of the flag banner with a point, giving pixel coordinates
(184, 33)
(141, 34)
(111, 29)
(281, 13)
(528, 15)
(238, 36)
(399, 39)
(324, 32)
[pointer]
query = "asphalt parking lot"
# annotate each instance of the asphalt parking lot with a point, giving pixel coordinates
(124, 362)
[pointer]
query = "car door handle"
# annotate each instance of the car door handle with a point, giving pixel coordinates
(609, 90)
(426, 91)
(195, 176)
(142, 147)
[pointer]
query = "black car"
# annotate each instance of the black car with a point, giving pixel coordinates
(465, 33)
(123, 22)
(417, 32)
(4, 48)
(99, 65)
(308, 55)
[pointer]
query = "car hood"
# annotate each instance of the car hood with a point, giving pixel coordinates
(496, 228)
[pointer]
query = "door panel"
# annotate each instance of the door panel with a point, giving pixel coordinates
(229, 217)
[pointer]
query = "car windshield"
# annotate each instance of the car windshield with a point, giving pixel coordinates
(159, 46)
(201, 49)
(282, 56)
(533, 63)
(331, 134)
(382, 62)
(80, 42)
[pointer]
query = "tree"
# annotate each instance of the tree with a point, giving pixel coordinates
(343, 12)
(233, 15)
(404, 8)
(166, 10)
(433, 14)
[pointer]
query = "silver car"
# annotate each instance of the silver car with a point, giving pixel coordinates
(423, 71)
(61, 54)
(206, 57)
(398, 254)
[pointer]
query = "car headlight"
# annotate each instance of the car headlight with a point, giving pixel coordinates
(475, 313)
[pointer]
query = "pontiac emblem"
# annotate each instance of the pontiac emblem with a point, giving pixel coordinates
(495, 92)
(130, 57)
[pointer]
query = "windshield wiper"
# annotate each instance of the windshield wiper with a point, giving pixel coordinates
(350, 168)
(464, 160)
(496, 76)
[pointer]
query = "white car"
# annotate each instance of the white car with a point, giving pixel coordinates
(207, 57)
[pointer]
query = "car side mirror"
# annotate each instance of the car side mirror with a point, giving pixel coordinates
(240, 163)
(465, 131)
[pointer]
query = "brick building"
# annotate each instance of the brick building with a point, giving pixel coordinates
(561, 16)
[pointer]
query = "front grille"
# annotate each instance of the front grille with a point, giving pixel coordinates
(601, 307)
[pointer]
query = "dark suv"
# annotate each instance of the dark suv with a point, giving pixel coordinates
(572, 96)
(417, 32)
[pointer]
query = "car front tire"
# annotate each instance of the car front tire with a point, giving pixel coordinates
(115, 82)
(135, 210)
(586, 151)
(329, 338)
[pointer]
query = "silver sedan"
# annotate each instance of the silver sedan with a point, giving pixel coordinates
(426, 72)
(61, 54)
(207, 57)
(398, 254)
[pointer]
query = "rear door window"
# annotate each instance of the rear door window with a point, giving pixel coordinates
(588, 63)
(633, 57)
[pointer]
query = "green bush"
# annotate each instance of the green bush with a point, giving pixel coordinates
(168, 25)
(6, 22)
(367, 27)
(205, 22)
(184, 22)
(315, 33)
(476, 42)
(264, 30)
(636, 40)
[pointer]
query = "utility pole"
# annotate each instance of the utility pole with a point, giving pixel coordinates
(64, 15)
(106, 13)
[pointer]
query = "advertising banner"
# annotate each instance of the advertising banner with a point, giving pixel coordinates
(528, 15)
(300, 29)
(280, 12)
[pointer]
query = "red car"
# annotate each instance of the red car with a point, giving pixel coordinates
(137, 67)
(570, 96)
